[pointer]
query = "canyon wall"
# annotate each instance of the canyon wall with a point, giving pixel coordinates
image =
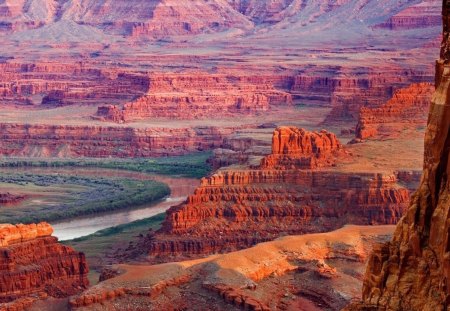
(297, 148)
(100, 142)
(238, 208)
(413, 270)
(201, 95)
(34, 265)
(56, 84)
(424, 14)
(407, 108)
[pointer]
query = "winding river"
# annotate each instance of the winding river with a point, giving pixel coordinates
(75, 228)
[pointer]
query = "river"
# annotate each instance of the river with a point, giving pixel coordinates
(180, 188)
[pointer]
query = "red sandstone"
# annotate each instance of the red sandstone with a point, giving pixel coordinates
(408, 107)
(33, 262)
(412, 271)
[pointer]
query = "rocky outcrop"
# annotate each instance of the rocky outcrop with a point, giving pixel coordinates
(100, 142)
(237, 297)
(234, 209)
(33, 264)
(412, 271)
(297, 148)
(407, 108)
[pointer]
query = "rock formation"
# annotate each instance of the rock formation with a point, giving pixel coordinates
(56, 84)
(297, 148)
(412, 271)
(201, 95)
(407, 108)
(234, 209)
(424, 14)
(33, 264)
(106, 141)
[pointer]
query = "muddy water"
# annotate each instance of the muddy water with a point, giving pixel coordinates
(79, 227)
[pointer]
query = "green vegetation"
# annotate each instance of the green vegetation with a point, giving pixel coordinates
(57, 197)
(96, 245)
(193, 165)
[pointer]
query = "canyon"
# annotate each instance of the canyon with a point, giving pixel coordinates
(292, 191)
(300, 106)
(35, 266)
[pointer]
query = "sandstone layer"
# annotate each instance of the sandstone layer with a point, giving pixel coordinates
(412, 271)
(408, 108)
(53, 84)
(424, 14)
(200, 95)
(298, 148)
(33, 264)
(285, 195)
(105, 141)
(317, 271)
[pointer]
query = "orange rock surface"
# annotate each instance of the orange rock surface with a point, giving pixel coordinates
(33, 264)
(412, 271)
(297, 148)
(320, 271)
(408, 107)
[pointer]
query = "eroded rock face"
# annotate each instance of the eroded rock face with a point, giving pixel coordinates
(297, 148)
(201, 95)
(412, 271)
(57, 84)
(33, 264)
(234, 209)
(99, 142)
(407, 108)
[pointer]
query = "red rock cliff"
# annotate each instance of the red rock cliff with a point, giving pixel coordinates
(412, 272)
(408, 107)
(297, 148)
(200, 95)
(33, 262)
(103, 141)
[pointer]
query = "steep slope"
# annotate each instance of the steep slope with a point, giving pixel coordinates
(408, 108)
(155, 18)
(412, 271)
(161, 18)
(34, 265)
